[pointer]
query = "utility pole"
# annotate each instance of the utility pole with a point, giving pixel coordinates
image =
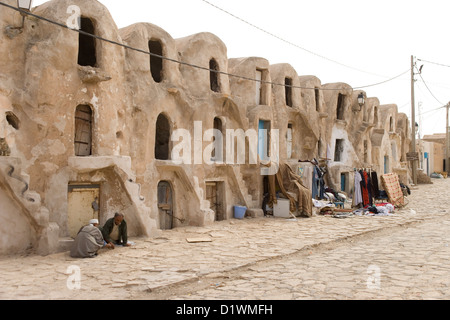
(413, 124)
(447, 142)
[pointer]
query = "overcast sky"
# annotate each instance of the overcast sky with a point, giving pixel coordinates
(358, 42)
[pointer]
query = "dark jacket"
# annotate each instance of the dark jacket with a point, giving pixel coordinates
(108, 227)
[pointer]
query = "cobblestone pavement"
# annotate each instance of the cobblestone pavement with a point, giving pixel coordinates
(408, 264)
(402, 256)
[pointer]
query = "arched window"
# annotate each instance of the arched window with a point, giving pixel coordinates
(83, 131)
(162, 138)
(340, 107)
(156, 63)
(317, 98)
(214, 76)
(87, 55)
(288, 91)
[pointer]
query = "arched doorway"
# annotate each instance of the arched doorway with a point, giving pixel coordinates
(165, 205)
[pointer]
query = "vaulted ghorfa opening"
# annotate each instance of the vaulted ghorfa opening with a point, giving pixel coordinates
(87, 55)
(340, 107)
(162, 138)
(156, 61)
(288, 91)
(214, 75)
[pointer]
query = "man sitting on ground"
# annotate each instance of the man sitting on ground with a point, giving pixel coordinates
(115, 231)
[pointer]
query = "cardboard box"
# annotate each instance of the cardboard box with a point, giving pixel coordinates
(281, 208)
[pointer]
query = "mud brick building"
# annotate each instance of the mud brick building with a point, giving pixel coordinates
(89, 128)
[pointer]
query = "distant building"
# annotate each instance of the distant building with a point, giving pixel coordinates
(432, 153)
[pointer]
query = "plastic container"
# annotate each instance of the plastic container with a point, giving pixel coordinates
(239, 212)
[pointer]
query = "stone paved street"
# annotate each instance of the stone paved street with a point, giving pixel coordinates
(410, 263)
(402, 256)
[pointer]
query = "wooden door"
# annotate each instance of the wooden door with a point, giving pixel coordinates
(215, 196)
(83, 205)
(83, 131)
(165, 205)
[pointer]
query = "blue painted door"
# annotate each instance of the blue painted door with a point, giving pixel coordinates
(342, 181)
(262, 139)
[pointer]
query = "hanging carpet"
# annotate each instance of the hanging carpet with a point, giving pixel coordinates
(393, 189)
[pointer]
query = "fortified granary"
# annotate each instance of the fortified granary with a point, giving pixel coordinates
(169, 132)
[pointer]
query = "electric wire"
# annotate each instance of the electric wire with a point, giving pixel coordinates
(420, 74)
(289, 42)
(376, 84)
(439, 64)
(436, 63)
(25, 12)
(405, 105)
(433, 110)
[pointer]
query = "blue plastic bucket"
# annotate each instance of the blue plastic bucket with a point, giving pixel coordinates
(239, 212)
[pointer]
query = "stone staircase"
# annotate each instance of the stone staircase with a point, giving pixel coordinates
(253, 207)
(125, 175)
(17, 182)
(192, 185)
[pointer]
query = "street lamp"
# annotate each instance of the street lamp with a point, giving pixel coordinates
(25, 7)
(361, 99)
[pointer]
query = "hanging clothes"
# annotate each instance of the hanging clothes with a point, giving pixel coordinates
(322, 187)
(366, 188)
(318, 183)
(357, 195)
(375, 188)
(315, 184)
